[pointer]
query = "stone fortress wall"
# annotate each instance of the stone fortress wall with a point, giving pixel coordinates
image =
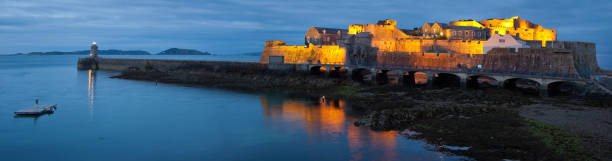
(385, 44)
(318, 54)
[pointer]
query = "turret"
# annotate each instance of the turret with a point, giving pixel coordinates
(94, 50)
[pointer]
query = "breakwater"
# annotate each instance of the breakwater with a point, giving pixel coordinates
(114, 64)
(224, 74)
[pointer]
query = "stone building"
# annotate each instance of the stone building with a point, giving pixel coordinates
(445, 31)
(323, 36)
(503, 41)
(434, 30)
(466, 33)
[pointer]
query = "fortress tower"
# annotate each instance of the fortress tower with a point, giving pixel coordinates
(94, 50)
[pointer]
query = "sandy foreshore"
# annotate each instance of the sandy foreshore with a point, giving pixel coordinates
(494, 123)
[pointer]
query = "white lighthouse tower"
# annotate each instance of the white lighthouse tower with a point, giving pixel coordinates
(94, 50)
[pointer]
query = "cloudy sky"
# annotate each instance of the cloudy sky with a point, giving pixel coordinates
(238, 26)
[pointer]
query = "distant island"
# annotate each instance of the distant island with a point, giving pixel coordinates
(177, 51)
(86, 52)
(252, 54)
(171, 51)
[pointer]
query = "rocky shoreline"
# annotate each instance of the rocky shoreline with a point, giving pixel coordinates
(486, 120)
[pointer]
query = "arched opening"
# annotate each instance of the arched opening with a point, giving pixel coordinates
(408, 79)
(481, 81)
(565, 88)
(318, 70)
(446, 80)
(360, 75)
(381, 77)
(524, 85)
(337, 72)
(387, 77)
(420, 78)
(393, 77)
(414, 78)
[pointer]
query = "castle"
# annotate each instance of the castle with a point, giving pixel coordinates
(508, 44)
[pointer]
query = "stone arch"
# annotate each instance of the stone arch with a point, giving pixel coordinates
(387, 77)
(338, 72)
(318, 70)
(481, 81)
(361, 75)
(381, 77)
(446, 80)
(565, 88)
(524, 85)
(415, 78)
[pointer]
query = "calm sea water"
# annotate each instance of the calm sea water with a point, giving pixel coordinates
(99, 118)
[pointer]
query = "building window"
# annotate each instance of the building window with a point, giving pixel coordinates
(502, 41)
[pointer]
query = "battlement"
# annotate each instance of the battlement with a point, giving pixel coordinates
(387, 22)
(271, 43)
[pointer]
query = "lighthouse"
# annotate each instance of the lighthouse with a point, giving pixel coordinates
(94, 50)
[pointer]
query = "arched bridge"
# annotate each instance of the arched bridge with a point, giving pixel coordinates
(539, 82)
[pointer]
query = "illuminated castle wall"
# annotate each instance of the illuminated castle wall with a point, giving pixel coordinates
(384, 43)
(318, 54)
(384, 29)
(514, 26)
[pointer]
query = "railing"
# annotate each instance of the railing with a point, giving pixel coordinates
(473, 70)
(483, 71)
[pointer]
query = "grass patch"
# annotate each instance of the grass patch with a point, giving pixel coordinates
(560, 141)
(347, 91)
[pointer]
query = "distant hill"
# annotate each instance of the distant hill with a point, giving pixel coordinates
(86, 52)
(252, 54)
(177, 51)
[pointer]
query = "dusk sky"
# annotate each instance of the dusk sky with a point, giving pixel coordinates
(239, 26)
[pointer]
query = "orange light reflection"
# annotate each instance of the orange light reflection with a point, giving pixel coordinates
(328, 118)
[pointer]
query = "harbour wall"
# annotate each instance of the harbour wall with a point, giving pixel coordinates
(114, 64)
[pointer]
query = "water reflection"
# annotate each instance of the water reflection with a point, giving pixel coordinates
(91, 91)
(330, 121)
